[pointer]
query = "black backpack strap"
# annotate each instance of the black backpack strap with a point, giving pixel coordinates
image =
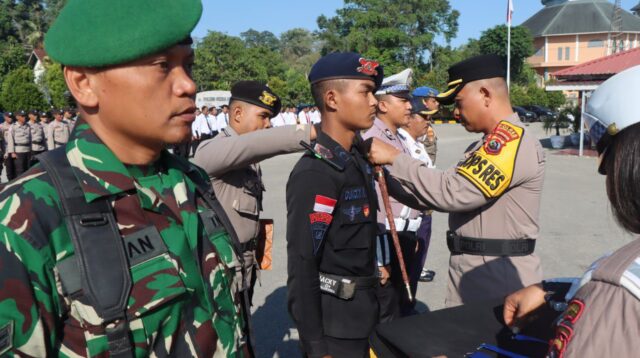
(100, 255)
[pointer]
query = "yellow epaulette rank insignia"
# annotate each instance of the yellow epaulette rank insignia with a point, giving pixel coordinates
(490, 168)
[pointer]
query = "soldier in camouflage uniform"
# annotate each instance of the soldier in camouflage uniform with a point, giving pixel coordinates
(19, 143)
(38, 142)
(183, 272)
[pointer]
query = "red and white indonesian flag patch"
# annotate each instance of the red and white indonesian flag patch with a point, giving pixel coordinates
(324, 204)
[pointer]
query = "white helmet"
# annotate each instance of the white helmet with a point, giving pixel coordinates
(612, 107)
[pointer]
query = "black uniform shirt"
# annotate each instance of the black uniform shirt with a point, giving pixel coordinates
(331, 228)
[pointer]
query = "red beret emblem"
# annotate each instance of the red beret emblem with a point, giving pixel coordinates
(368, 67)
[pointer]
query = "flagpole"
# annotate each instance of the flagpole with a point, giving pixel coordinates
(509, 10)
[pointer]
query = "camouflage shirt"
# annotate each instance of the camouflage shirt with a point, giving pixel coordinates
(183, 302)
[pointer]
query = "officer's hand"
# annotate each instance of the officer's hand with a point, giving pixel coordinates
(385, 274)
(14, 155)
(520, 303)
(382, 153)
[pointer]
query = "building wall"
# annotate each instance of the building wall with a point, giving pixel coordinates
(558, 52)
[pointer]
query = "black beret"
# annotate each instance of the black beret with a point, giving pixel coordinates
(58, 111)
(472, 69)
(44, 114)
(258, 94)
(33, 111)
(21, 113)
(346, 65)
(8, 114)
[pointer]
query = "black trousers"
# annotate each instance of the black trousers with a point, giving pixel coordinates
(9, 163)
(32, 158)
(347, 348)
(408, 242)
(22, 162)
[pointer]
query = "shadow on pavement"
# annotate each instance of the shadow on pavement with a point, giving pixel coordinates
(272, 325)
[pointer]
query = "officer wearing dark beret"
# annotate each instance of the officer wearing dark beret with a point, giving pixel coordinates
(492, 194)
(232, 158)
(331, 220)
(114, 246)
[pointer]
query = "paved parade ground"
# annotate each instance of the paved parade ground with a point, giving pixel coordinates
(576, 228)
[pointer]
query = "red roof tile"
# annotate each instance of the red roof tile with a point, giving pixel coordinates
(611, 65)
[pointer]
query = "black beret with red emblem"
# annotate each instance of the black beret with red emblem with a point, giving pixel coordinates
(346, 65)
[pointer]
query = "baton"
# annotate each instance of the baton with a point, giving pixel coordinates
(392, 227)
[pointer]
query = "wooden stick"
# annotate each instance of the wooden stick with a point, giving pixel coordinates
(392, 227)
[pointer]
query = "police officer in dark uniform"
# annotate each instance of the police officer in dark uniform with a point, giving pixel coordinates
(331, 222)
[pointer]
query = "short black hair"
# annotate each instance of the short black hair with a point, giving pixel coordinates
(622, 165)
(204, 107)
(320, 88)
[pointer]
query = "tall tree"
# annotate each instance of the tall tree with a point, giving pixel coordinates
(20, 92)
(398, 33)
(253, 38)
(300, 49)
(494, 40)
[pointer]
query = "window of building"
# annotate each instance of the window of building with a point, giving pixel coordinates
(595, 43)
(567, 53)
(559, 53)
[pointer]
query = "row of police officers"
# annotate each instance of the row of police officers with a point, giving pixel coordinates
(23, 139)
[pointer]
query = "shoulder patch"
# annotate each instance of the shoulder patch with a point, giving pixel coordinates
(564, 328)
(319, 226)
(491, 167)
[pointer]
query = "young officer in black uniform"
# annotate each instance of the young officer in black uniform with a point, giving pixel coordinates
(331, 221)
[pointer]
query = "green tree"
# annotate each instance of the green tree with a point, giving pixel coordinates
(11, 57)
(20, 92)
(494, 40)
(300, 49)
(55, 85)
(221, 60)
(253, 38)
(398, 33)
(293, 88)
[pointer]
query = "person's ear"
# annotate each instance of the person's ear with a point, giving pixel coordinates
(237, 113)
(383, 107)
(487, 96)
(332, 99)
(82, 85)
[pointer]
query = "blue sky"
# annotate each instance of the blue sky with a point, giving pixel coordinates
(235, 16)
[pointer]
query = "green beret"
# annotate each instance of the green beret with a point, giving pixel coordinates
(98, 33)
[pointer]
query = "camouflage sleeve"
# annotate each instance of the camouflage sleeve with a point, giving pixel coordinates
(27, 299)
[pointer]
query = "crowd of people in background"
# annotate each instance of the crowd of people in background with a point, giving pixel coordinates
(26, 134)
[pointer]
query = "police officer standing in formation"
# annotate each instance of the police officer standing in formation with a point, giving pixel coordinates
(232, 161)
(603, 307)
(410, 134)
(38, 141)
(58, 131)
(19, 143)
(427, 96)
(393, 112)
(8, 161)
(222, 120)
(331, 210)
(112, 246)
(492, 194)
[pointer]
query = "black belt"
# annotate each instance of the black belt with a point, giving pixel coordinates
(39, 142)
(250, 245)
(59, 143)
(489, 247)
